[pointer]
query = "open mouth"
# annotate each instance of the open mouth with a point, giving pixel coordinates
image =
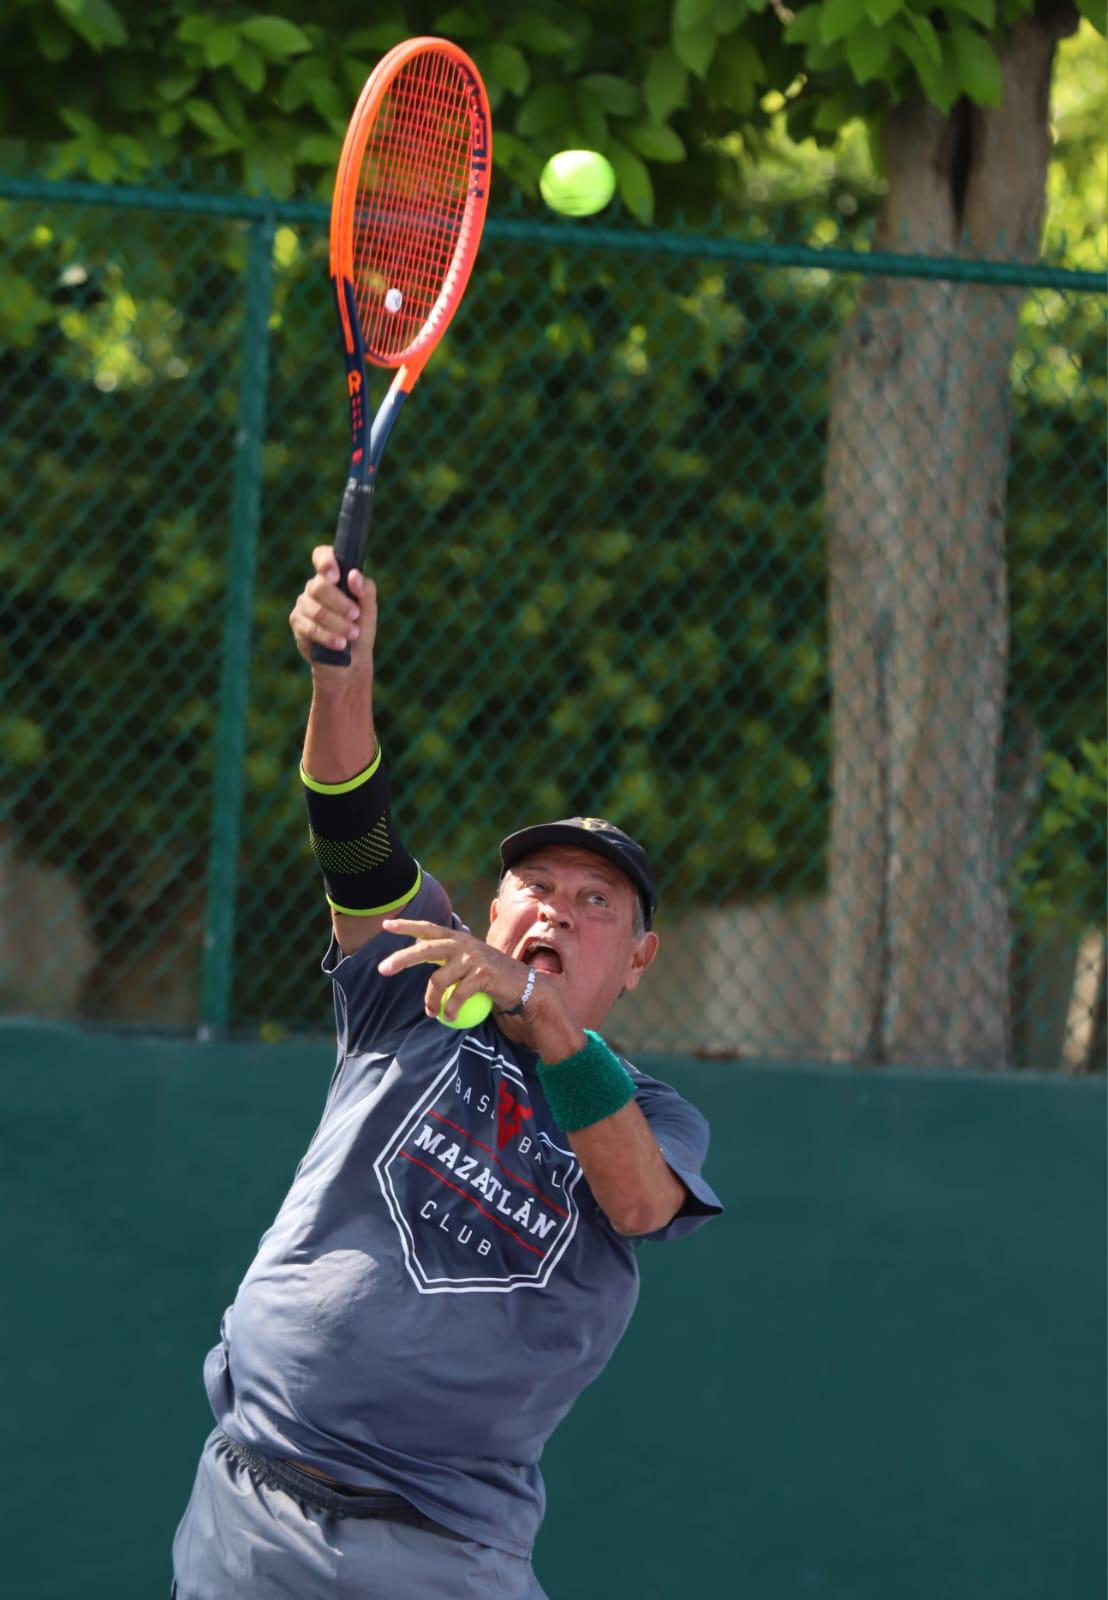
(543, 957)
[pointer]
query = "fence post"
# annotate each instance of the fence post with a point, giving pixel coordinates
(219, 927)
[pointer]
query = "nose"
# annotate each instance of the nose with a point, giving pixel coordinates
(556, 909)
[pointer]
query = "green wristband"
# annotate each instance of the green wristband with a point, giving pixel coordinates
(586, 1087)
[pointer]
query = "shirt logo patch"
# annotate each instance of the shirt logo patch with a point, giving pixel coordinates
(510, 1116)
(482, 1198)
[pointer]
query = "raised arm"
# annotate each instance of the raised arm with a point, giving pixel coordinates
(340, 743)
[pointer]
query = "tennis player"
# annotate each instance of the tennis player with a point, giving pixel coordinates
(456, 1258)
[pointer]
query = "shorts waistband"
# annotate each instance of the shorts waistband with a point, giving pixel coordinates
(340, 1501)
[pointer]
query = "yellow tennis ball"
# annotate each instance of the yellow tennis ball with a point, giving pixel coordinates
(473, 1011)
(577, 182)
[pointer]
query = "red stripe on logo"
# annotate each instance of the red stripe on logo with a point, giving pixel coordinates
(490, 1151)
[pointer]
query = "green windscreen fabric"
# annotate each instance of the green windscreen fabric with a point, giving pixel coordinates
(880, 1373)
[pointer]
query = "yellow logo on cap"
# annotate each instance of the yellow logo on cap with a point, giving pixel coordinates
(594, 824)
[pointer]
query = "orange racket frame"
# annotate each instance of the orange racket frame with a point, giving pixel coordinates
(385, 216)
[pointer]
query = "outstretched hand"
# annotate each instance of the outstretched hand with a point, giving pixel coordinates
(323, 614)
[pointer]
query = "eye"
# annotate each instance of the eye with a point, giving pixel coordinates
(599, 899)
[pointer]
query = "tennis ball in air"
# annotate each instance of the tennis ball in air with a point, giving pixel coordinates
(473, 1011)
(394, 300)
(577, 182)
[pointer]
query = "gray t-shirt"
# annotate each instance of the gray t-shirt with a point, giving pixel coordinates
(439, 1284)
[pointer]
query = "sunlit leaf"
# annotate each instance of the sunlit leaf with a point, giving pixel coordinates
(665, 85)
(694, 46)
(203, 115)
(982, 11)
(618, 97)
(691, 13)
(537, 33)
(177, 85)
(221, 46)
(545, 107)
(653, 142)
(508, 65)
(978, 67)
(635, 188)
(459, 23)
(727, 14)
(805, 25)
(882, 11)
(924, 30)
(868, 50)
(99, 23)
(517, 159)
(249, 68)
(276, 37)
(839, 17)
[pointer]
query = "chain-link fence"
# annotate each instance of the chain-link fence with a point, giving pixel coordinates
(791, 562)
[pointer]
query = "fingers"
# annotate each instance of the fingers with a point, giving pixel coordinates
(326, 565)
(323, 614)
(453, 999)
(465, 964)
(438, 952)
(453, 980)
(454, 956)
(431, 942)
(413, 928)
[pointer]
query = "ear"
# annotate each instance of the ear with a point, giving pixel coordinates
(494, 911)
(641, 957)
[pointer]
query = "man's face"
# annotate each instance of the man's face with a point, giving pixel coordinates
(568, 913)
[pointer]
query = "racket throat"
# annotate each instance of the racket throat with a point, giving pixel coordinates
(387, 413)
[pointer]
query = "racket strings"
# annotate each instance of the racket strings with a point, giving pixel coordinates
(428, 136)
(412, 197)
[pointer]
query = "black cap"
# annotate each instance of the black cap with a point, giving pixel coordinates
(589, 833)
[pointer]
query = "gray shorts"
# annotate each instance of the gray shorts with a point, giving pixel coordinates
(254, 1531)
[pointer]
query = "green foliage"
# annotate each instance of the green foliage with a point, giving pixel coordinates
(1059, 876)
(116, 92)
(1057, 648)
(875, 52)
(1077, 186)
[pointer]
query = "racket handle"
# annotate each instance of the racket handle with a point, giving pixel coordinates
(351, 536)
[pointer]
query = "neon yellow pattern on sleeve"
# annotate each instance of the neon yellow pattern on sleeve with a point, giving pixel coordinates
(348, 856)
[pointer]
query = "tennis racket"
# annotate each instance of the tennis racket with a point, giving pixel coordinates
(407, 211)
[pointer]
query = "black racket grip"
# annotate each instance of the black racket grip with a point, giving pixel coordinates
(351, 536)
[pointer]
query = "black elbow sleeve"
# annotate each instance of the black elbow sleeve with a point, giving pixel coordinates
(366, 867)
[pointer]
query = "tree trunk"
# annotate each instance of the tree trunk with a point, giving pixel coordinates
(916, 482)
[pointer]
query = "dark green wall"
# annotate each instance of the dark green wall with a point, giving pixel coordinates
(880, 1377)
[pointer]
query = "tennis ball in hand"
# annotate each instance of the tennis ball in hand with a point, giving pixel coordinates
(577, 182)
(473, 1011)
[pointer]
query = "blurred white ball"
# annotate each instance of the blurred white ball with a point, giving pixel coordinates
(394, 300)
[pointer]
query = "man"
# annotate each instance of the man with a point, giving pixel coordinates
(455, 1260)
